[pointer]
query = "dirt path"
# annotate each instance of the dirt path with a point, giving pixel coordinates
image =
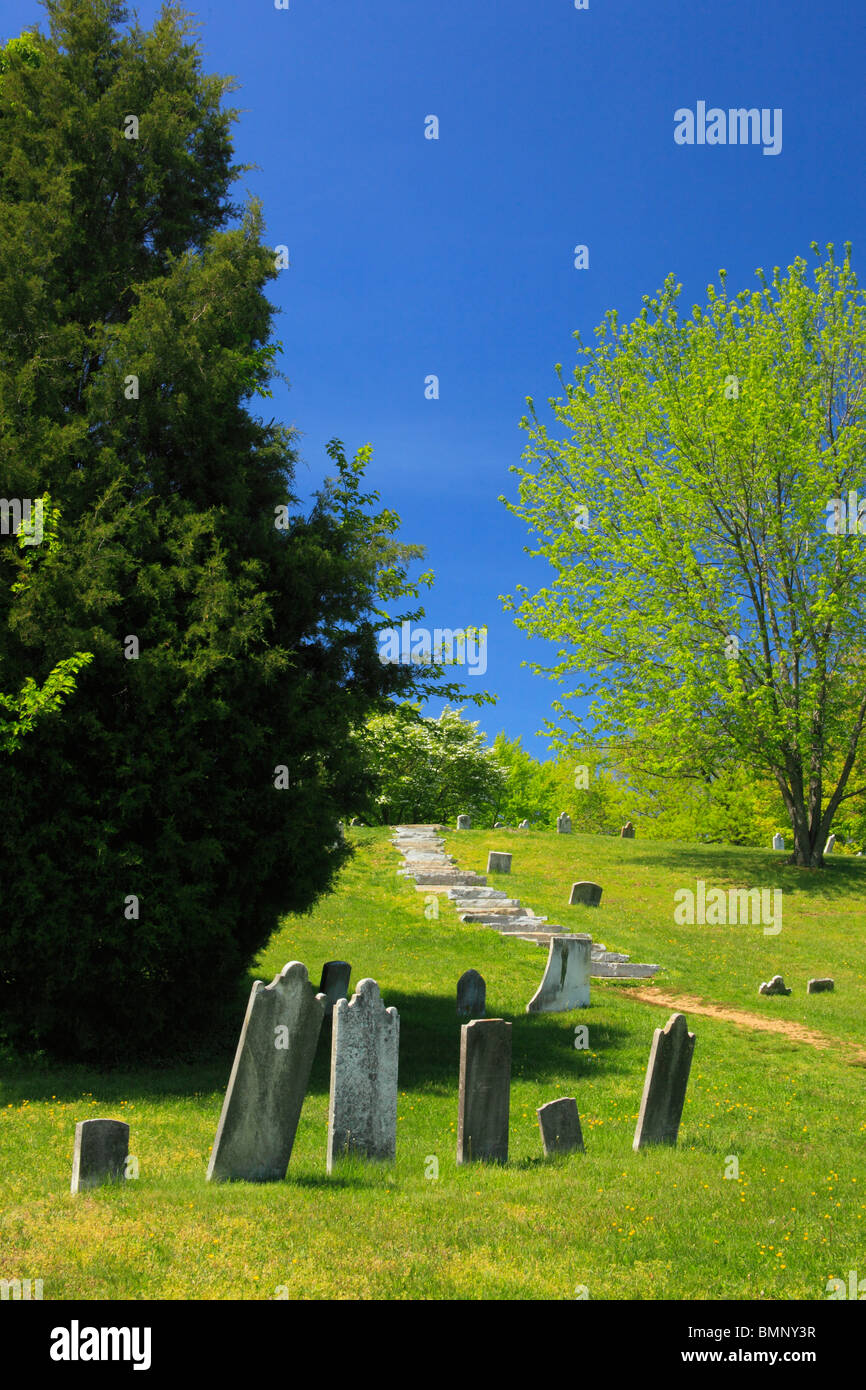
(797, 1032)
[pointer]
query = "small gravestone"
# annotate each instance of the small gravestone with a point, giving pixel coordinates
(499, 825)
(334, 983)
(587, 893)
(100, 1153)
(559, 1123)
(778, 841)
(831, 840)
(269, 1078)
(524, 825)
(356, 820)
(485, 1091)
(820, 986)
(563, 824)
(565, 984)
(498, 862)
(667, 1077)
(464, 823)
(362, 1115)
(471, 994)
(627, 832)
(774, 986)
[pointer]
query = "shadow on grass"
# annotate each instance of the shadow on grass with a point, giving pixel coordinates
(752, 868)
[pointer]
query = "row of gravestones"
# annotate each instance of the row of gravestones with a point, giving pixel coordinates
(563, 825)
(779, 843)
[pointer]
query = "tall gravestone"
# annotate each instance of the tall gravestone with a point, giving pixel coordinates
(565, 983)
(362, 1115)
(588, 894)
(563, 823)
(334, 983)
(559, 1123)
(269, 1079)
(471, 994)
(667, 1077)
(464, 823)
(831, 840)
(485, 1091)
(100, 1153)
(778, 841)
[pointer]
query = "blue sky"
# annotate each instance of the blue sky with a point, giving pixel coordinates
(455, 257)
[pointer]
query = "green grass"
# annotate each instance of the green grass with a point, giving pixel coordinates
(659, 1224)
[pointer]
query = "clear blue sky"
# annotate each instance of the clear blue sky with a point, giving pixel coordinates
(411, 257)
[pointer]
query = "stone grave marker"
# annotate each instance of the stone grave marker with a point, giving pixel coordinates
(498, 862)
(268, 1080)
(627, 832)
(524, 825)
(563, 824)
(464, 823)
(778, 841)
(471, 994)
(774, 986)
(667, 1077)
(822, 986)
(831, 840)
(100, 1153)
(587, 893)
(485, 1091)
(565, 984)
(559, 1123)
(362, 1115)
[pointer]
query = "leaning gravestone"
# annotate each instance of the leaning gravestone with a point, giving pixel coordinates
(100, 1153)
(587, 893)
(471, 994)
(778, 841)
(498, 862)
(565, 984)
(464, 823)
(362, 1115)
(563, 824)
(334, 983)
(485, 1091)
(269, 1078)
(831, 840)
(627, 832)
(774, 986)
(820, 986)
(559, 1123)
(664, 1091)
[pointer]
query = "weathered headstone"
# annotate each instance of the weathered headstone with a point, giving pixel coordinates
(471, 994)
(464, 822)
(565, 984)
(498, 862)
(334, 983)
(778, 841)
(100, 1153)
(627, 832)
(362, 1115)
(822, 986)
(268, 1080)
(559, 1123)
(831, 840)
(667, 1077)
(524, 825)
(587, 893)
(485, 1091)
(774, 986)
(563, 823)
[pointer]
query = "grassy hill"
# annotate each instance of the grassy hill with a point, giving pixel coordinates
(658, 1224)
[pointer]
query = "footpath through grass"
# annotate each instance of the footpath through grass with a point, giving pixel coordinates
(660, 1224)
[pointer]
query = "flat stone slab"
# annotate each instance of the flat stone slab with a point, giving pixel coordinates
(506, 925)
(622, 970)
(588, 894)
(559, 1123)
(448, 878)
(565, 983)
(100, 1153)
(485, 1091)
(498, 862)
(774, 986)
(667, 1077)
(362, 1114)
(822, 986)
(472, 893)
(269, 1079)
(471, 995)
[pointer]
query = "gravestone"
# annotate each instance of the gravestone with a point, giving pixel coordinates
(362, 1115)
(269, 1078)
(471, 994)
(587, 893)
(559, 1123)
(485, 1091)
(499, 825)
(831, 840)
(356, 820)
(100, 1153)
(563, 824)
(774, 986)
(464, 823)
(524, 825)
(820, 986)
(498, 862)
(334, 983)
(778, 841)
(565, 984)
(667, 1077)
(627, 832)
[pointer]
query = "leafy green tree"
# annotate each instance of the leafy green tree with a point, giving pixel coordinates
(158, 824)
(687, 512)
